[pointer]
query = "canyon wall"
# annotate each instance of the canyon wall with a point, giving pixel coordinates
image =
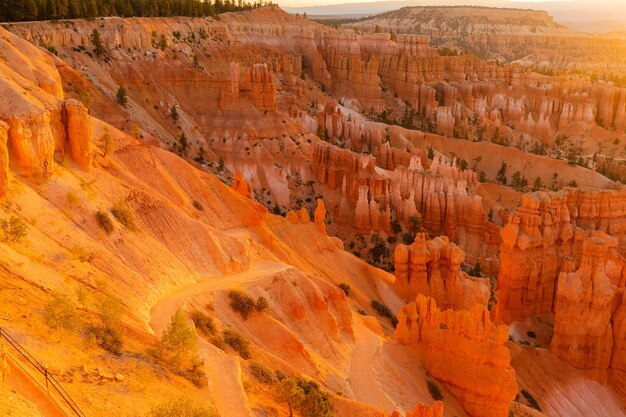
(39, 125)
(432, 268)
(465, 351)
(389, 187)
(562, 254)
(544, 237)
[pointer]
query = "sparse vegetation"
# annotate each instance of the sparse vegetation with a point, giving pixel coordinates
(262, 373)
(384, 311)
(345, 287)
(203, 322)
(121, 96)
(12, 230)
(501, 175)
(304, 396)
(108, 338)
(182, 407)
(237, 342)
(124, 216)
(72, 199)
(434, 390)
(104, 221)
(531, 400)
(261, 304)
(174, 114)
(178, 349)
(60, 314)
(96, 41)
(241, 303)
(105, 142)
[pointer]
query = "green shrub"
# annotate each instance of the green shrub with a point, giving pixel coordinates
(111, 310)
(121, 96)
(434, 390)
(124, 216)
(108, 338)
(261, 304)
(203, 322)
(345, 287)
(60, 314)
(178, 346)
(183, 407)
(262, 373)
(304, 396)
(12, 230)
(238, 342)
(72, 199)
(384, 311)
(105, 222)
(241, 303)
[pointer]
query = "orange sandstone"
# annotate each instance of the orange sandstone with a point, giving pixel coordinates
(423, 410)
(432, 268)
(465, 351)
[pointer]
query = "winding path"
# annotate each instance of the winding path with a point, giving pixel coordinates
(223, 370)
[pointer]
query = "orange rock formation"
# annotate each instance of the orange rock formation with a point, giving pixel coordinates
(465, 351)
(432, 268)
(545, 236)
(422, 410)
(588, 294)
(241, 185)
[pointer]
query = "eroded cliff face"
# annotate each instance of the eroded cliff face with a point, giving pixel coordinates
(423, 410)
(433, 268)
(586, 292)
(503, 34)
(38, 124)
(465, 351)
(386, 186)
(617, 367)
(543, 238)
(255, 112)
(247, 96)
(562, 254)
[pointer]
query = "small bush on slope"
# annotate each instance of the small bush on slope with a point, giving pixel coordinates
(60, 314)
(244, 304)
(124, 216)
(304, 396)
(238, 342)
(262, 373)
(12, 230)
(203, 322)
(183, 407)
(434, 390)
(104, 221)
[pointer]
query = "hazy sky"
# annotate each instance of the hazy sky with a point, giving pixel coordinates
(574, 3)
(562, 10)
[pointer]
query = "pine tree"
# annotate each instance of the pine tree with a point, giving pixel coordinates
(62, 9)
(96, 41)
(121, 96)
(30, 10)
(91, 9)
(74, 9)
